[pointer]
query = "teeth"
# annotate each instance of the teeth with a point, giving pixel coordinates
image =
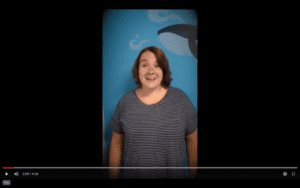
(151, 78)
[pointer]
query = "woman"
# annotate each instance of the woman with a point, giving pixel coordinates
(151, 124)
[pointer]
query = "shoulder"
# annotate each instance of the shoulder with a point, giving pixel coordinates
(176, 95)
(177, 92)
(127, 97)
(180, 96)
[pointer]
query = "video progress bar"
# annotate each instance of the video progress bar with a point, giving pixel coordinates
(150, 167)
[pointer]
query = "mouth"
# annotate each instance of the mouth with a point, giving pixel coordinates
(150, 79)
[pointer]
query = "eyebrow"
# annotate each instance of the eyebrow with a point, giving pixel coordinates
(147, 60)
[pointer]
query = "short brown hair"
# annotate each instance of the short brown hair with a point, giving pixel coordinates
(162, 63)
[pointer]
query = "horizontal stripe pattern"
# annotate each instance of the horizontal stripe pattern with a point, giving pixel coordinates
(154, 135)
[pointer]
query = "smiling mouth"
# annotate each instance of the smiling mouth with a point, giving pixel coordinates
(150, 79)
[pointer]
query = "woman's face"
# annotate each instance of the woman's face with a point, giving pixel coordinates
(150, 73)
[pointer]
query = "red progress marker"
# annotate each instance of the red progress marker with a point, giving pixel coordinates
(8, 167)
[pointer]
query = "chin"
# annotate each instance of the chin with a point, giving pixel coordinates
(151, 86)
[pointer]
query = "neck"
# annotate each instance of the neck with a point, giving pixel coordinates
(147, 92)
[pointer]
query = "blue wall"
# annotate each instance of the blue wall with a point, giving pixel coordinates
(125, 34)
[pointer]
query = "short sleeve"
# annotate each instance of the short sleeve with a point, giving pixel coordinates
(115, 123)
(191, 115)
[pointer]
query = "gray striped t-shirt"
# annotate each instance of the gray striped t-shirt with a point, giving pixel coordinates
(154, 135)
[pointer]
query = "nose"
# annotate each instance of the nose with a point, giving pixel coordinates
(150, 69)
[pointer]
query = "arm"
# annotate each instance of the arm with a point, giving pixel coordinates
(192, 152)
(115, 154)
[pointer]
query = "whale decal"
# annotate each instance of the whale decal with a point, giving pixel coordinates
(180, 39)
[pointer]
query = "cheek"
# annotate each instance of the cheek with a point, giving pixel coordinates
(161, 74)
(141, 72)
